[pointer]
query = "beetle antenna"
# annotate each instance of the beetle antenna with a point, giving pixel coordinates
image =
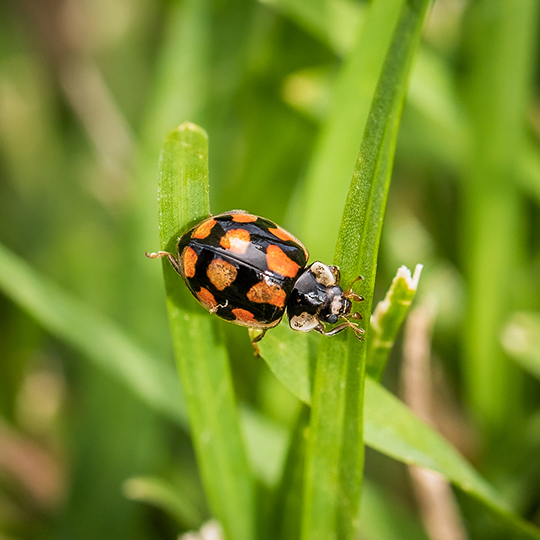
(349, 293)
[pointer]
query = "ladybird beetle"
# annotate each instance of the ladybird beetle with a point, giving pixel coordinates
(249, 271)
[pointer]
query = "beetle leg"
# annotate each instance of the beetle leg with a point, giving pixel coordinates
(172, 258)
(255, 340)
(215, 308)
(359, 332)
(258, 337)
(336, 330)
(339, 328)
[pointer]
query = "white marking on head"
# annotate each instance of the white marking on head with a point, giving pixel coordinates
(303, 322)
(323, 274)
(336, 305)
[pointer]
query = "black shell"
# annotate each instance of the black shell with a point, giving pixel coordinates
(253, 286)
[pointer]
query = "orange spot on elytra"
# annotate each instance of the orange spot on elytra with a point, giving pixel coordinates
(236, 240)
(244, 218)
(206, 298)
(204, 229)
(264, 293)
(282, 234)
(221, 273)
(243, 315)
(280, 263)
(189, 260)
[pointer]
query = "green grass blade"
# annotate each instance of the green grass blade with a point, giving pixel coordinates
(388, 317)
(183, 191)
(162, 494)
(431, 92)
(389, 426)
(334, 454)
(334, 22)
(501, 42)
(521, 341)
(287, 497)
(200, 353)
(95, 336)
(333, 477)
(393, 429)
(385, 519)
(337, 147)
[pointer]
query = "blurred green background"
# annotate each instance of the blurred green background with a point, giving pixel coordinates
(88, 91)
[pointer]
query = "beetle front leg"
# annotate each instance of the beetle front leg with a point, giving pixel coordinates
(336, 330)
(359, 332)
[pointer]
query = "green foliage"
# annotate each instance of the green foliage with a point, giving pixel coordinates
(99, 435)
(387, 318)
(200, 353)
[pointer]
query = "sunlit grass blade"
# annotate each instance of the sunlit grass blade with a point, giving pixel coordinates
(387, 318)
(162, 494)
(334, 454)
(200, 353)
(521, 341)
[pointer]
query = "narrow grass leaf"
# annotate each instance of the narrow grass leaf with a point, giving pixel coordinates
(322, 201)
(501, 41)
(162, 494)
(521, 341)
(394, 430)
(334, 22)
(390, 427)
(334, 454)
(199, 350)
(384, 518)
(287, 497)
(388, 317)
